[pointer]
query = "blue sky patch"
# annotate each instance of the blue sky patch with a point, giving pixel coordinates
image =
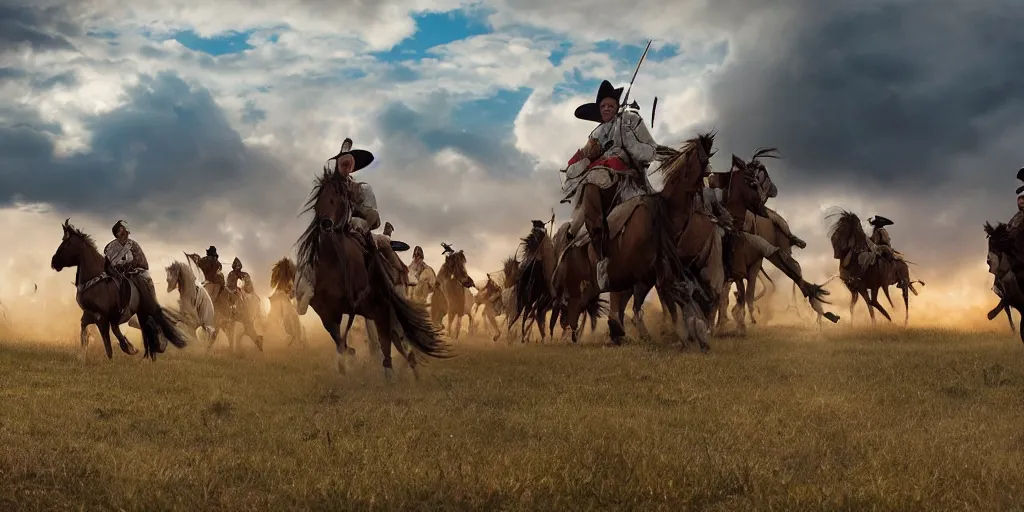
(499, 110)
(232, 42)
(434, 29)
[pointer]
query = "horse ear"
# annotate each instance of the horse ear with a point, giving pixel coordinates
(738, 163)
(345, 164)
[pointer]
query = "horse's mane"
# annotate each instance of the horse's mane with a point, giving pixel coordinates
(183, 271)
(79, 233)
(309, 242)
(847, 233)
(283, 272)
(673, 161)
(531, 243)
(1000, 238)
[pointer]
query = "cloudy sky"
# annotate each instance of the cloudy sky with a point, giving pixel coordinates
(204, 122)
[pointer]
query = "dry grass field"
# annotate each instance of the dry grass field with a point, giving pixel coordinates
(785, 419)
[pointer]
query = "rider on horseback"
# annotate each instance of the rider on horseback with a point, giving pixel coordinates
(365, 217)
(124, 256)
(209, 265)
(236, 274)
(1018, 218)
(608, 170)
(880, 237)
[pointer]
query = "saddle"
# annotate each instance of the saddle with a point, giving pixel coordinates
(127, 294)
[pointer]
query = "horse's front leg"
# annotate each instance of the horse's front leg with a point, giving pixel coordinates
(104, 326)
(83, 336)
(126, 345)
(640, 291)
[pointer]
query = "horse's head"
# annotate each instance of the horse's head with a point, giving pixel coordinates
(71, 249)
(510, 269)
(748, 183)
(332, 200)
(684, 170)
(1000, 245)
(454, 269)
(766, 187)
(847, 234)
(173, 276)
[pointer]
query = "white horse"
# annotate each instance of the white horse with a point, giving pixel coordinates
(194, 302)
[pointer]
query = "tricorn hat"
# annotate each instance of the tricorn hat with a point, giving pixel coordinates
(119, 224)
(880, 222)
(356, 158)
(592, 111)
(212, 251)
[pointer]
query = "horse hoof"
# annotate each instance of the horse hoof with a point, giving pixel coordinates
(704, 348)
(389, 375)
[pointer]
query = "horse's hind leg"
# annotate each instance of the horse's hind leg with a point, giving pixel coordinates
(739, 309)
(885, 290)
(383, 333)
(126, 345)
(616, 311)
(640, 292)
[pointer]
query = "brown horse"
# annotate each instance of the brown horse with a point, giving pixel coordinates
(229, 307)
(489, 301)
(745, 189)
(348, 276)
(863, 270)
(282, 309)
(641, 249)
(109, 298)
(453, 283)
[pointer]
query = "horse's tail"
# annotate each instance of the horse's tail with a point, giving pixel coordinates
(166, 322)
(420, 332)
(596, 308)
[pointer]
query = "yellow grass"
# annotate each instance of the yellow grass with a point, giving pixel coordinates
(783, 420)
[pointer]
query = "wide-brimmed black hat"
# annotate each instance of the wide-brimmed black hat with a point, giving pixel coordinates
(447, 249)
(539, 224)
(880, 222)
(592, 111)
(361, 157)
(1020, 174)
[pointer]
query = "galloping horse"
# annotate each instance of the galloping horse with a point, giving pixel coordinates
(282, 280)
(229, 307)
(745, 188)
(1003, 259)
(111, 299)
(534, 290)
(194, 302)
(641, 251)
(863, 270)
(348, 276)
(454, 299)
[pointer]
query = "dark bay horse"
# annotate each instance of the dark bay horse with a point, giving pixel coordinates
(102, 292)
(349, 277)
(1004, 261)
(534, 294)
(864, 271)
